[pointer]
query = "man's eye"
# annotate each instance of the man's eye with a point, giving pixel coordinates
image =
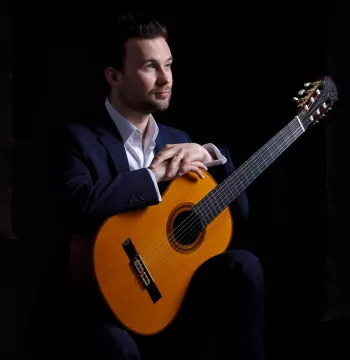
(150, 66)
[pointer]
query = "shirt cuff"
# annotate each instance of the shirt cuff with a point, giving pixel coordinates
(219, 159)
(155, 184)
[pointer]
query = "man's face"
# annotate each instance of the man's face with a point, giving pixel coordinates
(146, 81)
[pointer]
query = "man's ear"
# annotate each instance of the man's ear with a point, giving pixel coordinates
(111, 75)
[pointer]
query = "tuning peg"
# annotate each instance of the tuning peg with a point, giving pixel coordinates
(315, 83)
(301, 92)
(295, 99)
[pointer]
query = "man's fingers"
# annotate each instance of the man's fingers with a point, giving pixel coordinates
(160, 157)
(194, 168)
(187, 167)
(163, 155)
(173, 167)
(175, 164)
(200, 164)
(188, 159)
(197, 170)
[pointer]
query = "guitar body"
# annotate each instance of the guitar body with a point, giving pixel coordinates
(170, 261)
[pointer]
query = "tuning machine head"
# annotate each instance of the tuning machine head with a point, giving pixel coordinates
(306, 93)
(315, 101)
(320, 113)
(311, 84)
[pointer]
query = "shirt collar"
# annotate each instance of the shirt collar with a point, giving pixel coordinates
(126, 128)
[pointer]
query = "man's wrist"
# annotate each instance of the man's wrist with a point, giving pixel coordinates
(156, 175)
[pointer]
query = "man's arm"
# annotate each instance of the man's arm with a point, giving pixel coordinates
(218, 157)
(87, 200)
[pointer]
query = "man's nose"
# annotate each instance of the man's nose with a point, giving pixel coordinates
(164, 77)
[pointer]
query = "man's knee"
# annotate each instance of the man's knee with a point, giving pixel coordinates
(248, 261)
(111, 342)
(248, 267)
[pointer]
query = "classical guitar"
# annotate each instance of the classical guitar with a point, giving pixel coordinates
(143, 260)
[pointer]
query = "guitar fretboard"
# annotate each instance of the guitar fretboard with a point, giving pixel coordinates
(225, 193)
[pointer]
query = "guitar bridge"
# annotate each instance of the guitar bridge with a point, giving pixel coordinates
(141, 270)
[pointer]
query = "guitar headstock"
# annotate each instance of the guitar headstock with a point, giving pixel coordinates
(316, 100)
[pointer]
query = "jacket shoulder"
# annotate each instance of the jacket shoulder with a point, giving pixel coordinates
(172, 132)
(74, 131)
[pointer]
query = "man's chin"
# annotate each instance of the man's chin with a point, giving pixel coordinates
(164, 106)
(150, 106)
(158, 106)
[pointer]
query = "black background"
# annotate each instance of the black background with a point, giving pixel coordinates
(234, 78)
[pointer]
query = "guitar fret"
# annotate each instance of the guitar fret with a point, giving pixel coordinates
(276, 145)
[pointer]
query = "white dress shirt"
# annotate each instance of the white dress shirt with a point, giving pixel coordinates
(141, 157)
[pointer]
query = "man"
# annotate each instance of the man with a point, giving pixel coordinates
(118, 160)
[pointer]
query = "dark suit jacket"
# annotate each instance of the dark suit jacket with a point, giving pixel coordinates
(94, 180)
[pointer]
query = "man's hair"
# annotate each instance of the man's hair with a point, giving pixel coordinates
(131, 26)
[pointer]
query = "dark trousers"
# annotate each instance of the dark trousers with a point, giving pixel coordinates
(221, 318)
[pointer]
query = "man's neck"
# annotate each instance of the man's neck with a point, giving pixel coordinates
(139, 120)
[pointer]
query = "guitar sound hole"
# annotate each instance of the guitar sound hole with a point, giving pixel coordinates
(186, 228)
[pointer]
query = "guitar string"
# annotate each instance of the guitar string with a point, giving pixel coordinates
(166, 255)
(185, 224)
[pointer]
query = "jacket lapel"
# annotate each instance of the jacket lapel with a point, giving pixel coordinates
(110, 138)
(161, 140)
(116, 150)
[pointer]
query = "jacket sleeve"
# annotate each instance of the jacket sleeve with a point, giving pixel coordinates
(85, 200)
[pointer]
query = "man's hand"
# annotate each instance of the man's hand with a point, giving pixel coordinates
(169, 169)
(181, 155)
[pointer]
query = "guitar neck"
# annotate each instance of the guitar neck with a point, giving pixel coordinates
(226, 192)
